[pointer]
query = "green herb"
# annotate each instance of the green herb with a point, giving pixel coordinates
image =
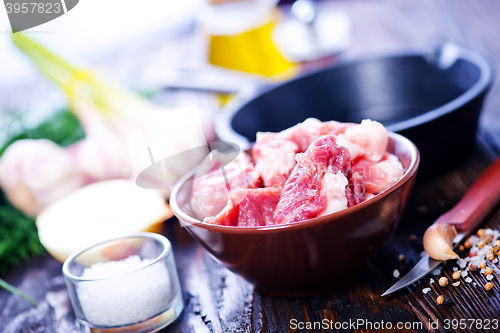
(18, 237)
(16, 291)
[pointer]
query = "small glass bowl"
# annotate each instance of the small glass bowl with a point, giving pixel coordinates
(143, 299)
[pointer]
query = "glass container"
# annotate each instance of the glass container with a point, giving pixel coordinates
(127, 284)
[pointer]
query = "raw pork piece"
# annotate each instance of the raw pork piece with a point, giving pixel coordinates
(228, 216)
(334, 187)
(248, 208)
(355, 192)
(275, 158)
(305, 133)
(210, 190)
(379, 176)
(368, 139)
(303, 197)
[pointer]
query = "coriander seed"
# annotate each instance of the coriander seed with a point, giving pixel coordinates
(440, 299)
(443, 281)
(456, 275)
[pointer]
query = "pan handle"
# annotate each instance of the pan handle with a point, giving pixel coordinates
(478, 202)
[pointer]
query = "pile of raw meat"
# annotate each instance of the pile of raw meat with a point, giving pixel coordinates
(312, 169)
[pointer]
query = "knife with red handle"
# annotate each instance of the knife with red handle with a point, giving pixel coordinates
(465, 216)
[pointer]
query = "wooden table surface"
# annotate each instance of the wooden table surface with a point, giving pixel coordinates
(216, 300)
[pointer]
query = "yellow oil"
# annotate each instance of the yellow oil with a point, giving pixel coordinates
(252, 51)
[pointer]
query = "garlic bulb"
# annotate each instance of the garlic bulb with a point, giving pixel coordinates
(103, 156)
(35, 173)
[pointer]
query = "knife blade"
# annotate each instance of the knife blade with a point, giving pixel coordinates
(422, 268)
(466, 215)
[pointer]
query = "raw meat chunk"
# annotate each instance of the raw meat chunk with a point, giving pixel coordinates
(256, 206)
(303, 197)
(275, 158)
(368, 139)
(305, 133)
(334, 188)
(355, 191)
(210, 191)
(248, 208)
(379, 176)
(228, 216)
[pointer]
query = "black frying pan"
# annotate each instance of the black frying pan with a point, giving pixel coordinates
(434, 99)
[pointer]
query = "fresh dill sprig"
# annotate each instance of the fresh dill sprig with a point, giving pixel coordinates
(18, 237)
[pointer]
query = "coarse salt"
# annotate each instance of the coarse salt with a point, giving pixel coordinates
(464, 273)
(455, 269)
(431, 280)
(426, 290)
(490, 277)
(437, 271)
(395, 273)
(462, 263)
(126, 293)
(468, 280)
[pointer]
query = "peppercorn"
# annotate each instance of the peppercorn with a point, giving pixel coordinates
(456, 275)
(440, 299)
(473, 268)
(488, 286)
(448, 302)
(443, 281)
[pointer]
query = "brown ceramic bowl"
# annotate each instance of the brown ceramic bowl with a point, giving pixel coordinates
(312, 256)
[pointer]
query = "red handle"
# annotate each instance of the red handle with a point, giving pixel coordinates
(478, 202)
